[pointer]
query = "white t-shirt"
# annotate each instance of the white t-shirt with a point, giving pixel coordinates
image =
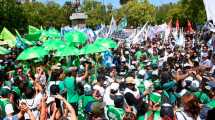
(135, 93)
(33, 105)
(180, 115)
(106, 98)
(206, 62)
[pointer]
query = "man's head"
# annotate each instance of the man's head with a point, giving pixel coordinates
(130, 81)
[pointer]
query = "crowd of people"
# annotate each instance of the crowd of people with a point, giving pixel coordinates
(150, 80)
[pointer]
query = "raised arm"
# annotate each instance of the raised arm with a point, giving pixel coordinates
(68, 106)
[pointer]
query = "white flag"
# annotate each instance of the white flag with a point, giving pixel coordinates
(210, 9)
(136, 40)
(181, 40)
(112, 26)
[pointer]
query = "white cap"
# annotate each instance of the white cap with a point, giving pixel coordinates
(123, 59)
(87, 87)
(9, 109)
(142, 72)
(113, 65)
(126, 52)
(212, 30)
(82, 59)
(195, 83)
(155, 72)
(114, 86)
(132, 67)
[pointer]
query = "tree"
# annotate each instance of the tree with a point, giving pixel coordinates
(11, 15)
(138, 13)
(183, 10)
(48, 15)
(97, 13)
(122, 2)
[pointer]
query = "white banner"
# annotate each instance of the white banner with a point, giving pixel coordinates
(136, 40)
(210, 9)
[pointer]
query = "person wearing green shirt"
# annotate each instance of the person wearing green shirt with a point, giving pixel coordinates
(69, 84)
(117, 111)
(3, 100)
(84, 100)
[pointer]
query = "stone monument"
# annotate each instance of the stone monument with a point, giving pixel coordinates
(78, 18)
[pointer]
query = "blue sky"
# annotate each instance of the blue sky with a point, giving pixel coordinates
(116, 4)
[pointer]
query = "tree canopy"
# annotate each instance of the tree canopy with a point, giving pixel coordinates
(19, 16)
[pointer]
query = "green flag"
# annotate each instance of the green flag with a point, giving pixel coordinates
(32, 29)
(122, 24)
(8, 37)
(25, 41)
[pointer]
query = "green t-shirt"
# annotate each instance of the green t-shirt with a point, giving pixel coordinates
(211, 104)
(72, 95)
(142, 117)
(83, 101)
(142, 65)
(115, 113)
(154, 59)
(156, 115)
(141, 87)
(86, 99)
(3, 103)
(202, 97)
(138, 54)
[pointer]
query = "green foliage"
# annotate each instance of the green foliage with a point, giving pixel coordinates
(11, 15)
(122, 2)
(18, 16)
(97, 13)
(184, 10)
(138, 13)
(48, 15)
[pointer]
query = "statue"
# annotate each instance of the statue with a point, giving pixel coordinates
(76, 4)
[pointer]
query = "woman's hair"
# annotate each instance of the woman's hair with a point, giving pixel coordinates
(29, 92)
(190, 104)
(56, 74)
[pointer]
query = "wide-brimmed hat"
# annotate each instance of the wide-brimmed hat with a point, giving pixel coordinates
(130, 80)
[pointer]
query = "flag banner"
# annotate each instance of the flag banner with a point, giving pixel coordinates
(90, 33)
(32, 29)
(122, 24)
(154, 30)
(168, 30)
(189, 27)
(180, 41)
(136, 40)
(19, 42)
(65, 29)
(112, 27)
(210, 9)
(8, 37)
